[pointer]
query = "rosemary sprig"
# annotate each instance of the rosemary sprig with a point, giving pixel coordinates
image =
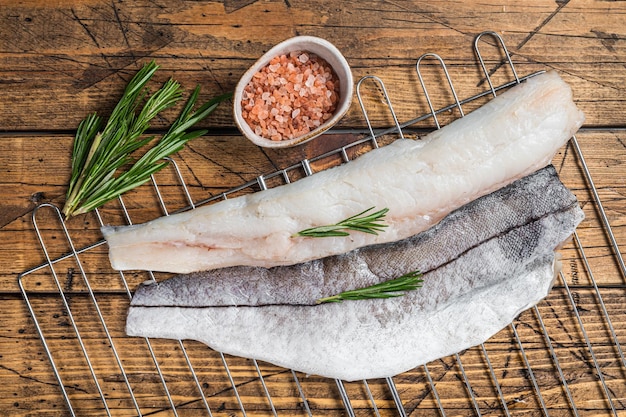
(99, 155)
(371, 223)
(389, 289)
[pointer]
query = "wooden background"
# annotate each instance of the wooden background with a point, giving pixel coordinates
(60, 61)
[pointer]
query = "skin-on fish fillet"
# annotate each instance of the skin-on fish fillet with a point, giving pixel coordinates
(420, 181)
(483, 264)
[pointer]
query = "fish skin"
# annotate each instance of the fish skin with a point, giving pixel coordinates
(488, 260)
(420, 181)
(302, 284)
(350, 341)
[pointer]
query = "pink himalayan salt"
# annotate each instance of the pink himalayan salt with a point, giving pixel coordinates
(290, 96)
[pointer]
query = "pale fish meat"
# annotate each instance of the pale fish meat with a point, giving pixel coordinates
(483, 264)
(420, 181)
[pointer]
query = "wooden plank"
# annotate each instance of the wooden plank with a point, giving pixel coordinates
(503, 352)
(59, 62)
(212, 165)
(79, 56)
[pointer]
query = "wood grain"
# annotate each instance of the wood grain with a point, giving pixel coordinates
(503, 351)
(563, 328)
(60, 61)
(212, 165)
(80, 56)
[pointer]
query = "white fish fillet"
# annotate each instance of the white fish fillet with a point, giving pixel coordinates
(481, 271)
(347, 341)
(420, 181)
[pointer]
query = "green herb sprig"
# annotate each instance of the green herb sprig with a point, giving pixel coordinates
(389, 289)
(371, 223)
(99, 155)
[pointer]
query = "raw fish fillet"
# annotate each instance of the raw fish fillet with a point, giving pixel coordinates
(420, 181)
(483, 264)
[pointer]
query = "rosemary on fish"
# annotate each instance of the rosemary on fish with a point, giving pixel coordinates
(99, 155)
(371, 223)
(389, 289)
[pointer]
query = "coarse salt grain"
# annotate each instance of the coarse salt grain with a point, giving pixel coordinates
(292, 95)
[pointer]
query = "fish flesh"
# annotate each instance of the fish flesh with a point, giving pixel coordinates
(487, 261)
(304, 283)
(419, 181)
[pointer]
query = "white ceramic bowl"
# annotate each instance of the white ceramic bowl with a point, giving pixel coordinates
(324, 50)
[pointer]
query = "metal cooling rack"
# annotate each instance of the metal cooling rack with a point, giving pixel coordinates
(110, 374)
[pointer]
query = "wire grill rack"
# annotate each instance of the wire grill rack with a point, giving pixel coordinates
(527, 368)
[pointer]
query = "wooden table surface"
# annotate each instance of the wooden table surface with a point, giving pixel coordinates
(60, 61)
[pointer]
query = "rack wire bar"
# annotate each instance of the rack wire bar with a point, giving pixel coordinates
(596, 365)
(605, 220)
(370, 397)
(165, 211)
(67, 308)
(555, 359)
(305, 402)
(435, 118)
(396, 396)
(531, 374)
(344, 397)
(607, 228)
(605, 313)
(493, 92)
(272, 386)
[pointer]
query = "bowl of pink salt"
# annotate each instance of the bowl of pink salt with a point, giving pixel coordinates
(295, 92)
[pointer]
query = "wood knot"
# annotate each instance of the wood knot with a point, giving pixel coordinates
(37, 197)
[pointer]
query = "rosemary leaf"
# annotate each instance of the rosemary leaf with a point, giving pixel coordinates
(389, 289)
(87, 129)
(371, 223)
(99, 156)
